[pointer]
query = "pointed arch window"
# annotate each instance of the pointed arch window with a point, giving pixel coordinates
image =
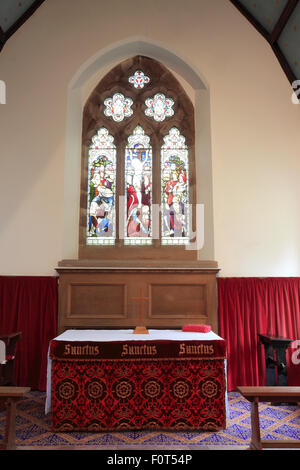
(138, 166)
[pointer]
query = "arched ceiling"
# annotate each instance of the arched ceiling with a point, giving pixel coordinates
(279, 23)
(13, 13)
(277, 20)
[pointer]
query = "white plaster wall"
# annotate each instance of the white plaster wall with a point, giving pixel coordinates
(255, 129)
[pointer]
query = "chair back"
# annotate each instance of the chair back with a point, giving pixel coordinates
(2, 352)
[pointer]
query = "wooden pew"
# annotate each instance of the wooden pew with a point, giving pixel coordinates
(268, 394)
(11, 395)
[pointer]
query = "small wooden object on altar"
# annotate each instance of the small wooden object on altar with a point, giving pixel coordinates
(141, 330)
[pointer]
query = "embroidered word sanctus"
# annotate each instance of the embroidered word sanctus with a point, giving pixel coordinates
(144, 350)
(87, 350)
(195, 349)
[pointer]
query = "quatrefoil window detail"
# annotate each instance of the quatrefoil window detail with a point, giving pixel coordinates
(118, 107)
(159, 107)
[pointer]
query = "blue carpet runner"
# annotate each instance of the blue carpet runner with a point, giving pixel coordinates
(33, 428)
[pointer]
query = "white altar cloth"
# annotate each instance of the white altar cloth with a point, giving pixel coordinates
(127, 335)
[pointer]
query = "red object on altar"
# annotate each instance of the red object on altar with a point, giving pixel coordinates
(197, 328)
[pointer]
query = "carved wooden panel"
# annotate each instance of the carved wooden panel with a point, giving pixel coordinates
(178, 301)
(95, 300)
(104, 297)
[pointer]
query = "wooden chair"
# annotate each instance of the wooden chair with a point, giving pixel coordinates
(11, 396)
(7, 369)
(268, 394)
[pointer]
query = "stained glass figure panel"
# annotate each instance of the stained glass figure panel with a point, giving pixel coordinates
(159, 107)
(139, 79)
(174, 189)
(101, 224)
(118, 107)
(138, 178)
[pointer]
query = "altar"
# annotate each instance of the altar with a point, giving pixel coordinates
(108, 380)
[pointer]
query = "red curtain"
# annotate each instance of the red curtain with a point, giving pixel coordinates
(248, 306)
(29, 304)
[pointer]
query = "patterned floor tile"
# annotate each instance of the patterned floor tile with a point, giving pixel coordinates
(134, 435)
(291, 432)
(48, 440)
(218, 439)
(233, 395)
(80, 436)
(109, 439)
(241, 432)
(27, 405)
(295, 421)
(162, 438)
(21, 420)
(233, 414)
(189, 436)
(263, 423)
(271, 437)
(274, 412)
(28, 432)
(241, 405)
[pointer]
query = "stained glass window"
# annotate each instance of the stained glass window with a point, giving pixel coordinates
(174, 189)
(138, 178)
(139, 79)
(138, 135)
(159, 107)
(101, 226)
(118, 107)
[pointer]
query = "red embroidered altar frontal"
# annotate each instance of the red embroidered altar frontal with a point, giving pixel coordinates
(101, 386)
